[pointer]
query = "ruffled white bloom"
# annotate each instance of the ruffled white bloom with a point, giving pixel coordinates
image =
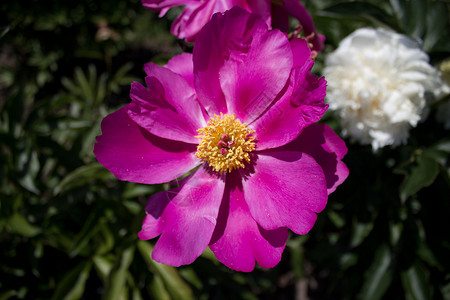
(378, 81)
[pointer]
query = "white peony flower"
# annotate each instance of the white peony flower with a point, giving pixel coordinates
(377, 84)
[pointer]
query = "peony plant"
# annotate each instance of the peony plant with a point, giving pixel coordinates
(238, 116)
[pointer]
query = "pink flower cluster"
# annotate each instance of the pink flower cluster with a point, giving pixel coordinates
(238, 116)
(197, 13)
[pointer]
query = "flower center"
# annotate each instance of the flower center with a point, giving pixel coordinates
(225, 143)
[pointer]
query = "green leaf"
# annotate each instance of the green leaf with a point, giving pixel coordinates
(348, 260)
(106, 242)
(70, 85)
(336, 219)
(133, 190)
(3, 31)
(121, 78)
(427, 255)
(19, 224)
(90, 228)
(81, 176)
(73, 284)
(89, 139)
(191, 277)
(422, 174)
(135, 292)
(7, 294)
(208, 254)
(415, 283)
(379, 276)
(174, 284)
(28, 164)
(157, 288)
(101, 89)
(92, 77)
(103, 266)
(440, 152)
(360, 232)
(437, 25)
(445, 290)
(411, 15)
(83, 82)
(362, 9)
(395, 231)
(416, 17)
(116, 284)
(443, 145)
(297, 256)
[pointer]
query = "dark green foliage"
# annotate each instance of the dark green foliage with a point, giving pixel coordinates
(68, 227)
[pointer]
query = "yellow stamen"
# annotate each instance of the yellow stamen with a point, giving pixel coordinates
(225, 143)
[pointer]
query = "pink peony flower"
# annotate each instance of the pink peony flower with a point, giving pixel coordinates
(197, 13)
(240, 112)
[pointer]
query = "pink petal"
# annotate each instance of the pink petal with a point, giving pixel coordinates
(132, 154)
(300, 105)
(178, 93)
(300, 51)
(250, 78)
(280, 18)
(185, 218)
(207, 63)
(231, 62)
(259, 7)
(169, 108)
(287, 189)
(327, 148)
(194, 16)
(308, 93)
(182, 64)
(197, 13)
(238, 240)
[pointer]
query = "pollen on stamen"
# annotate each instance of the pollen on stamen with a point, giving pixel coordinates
(225, 143)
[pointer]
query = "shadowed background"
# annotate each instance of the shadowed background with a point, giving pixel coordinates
(68, 227)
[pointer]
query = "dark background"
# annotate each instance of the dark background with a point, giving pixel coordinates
(68, 228)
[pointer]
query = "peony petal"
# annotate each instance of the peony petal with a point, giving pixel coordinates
(182, 64)
(300, 52)
(308, 93)
(327, 148)
(169, 109)
(259, 7)
(179, 94)
(300, 105)
(280, 18)
(207, 63)
(231, 62)
(132, 154)
(197, 13)
(251, 79)
(287, 189)
(194, 16)
(185, 218)
(238, 240)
